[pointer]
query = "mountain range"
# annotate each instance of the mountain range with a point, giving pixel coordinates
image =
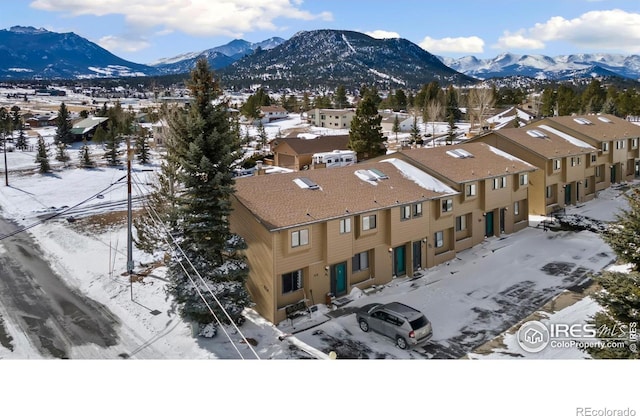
(309, 59)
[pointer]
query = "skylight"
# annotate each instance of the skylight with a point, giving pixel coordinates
(536, 133)
(605, 120)
(459, 153)
(582, 121)
(306, 183)
(371, 175)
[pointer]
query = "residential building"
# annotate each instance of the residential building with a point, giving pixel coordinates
(297, 153)
(567, 166)
(330, 118)
(492, 194)
(86, 127)
(272, 113)
(323, 232)
(616, 140)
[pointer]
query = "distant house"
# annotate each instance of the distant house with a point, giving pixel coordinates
(272, 113)
(388, 120)
(85, 128)
(296, 153)
(330, 118)
(41, 120)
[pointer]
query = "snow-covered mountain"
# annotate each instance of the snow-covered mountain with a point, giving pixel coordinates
(27, 52)
(218, 57)
(544, 67)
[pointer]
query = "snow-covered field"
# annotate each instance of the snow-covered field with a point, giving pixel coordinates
(476, 297)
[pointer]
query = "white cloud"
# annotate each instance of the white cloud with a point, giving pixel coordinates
(472, 44)
(597, 30)
(125, 44)
(383, 34)
(195, 17)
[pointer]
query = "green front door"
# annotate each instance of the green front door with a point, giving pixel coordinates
(339, 279)
(488, 224)
(567, 194)
(613, 173)
(399, 261)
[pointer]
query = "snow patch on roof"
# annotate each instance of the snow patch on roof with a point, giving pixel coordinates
(508, 156)
(570, 139)
(423, 179)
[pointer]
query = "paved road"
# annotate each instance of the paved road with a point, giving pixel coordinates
(37, 300)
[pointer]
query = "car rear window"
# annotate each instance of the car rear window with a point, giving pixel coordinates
(419, 322)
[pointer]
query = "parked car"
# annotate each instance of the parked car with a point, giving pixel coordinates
(407, 326)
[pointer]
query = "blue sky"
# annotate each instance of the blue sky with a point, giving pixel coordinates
(146, 30)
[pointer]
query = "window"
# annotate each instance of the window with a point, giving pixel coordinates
(556, 164)
(292, 281)
(573, 161)
(549, 192)
(405, 212)
(634, 143)
(598, 172)
(417, 209)
(447, 205)
(360, 262)
(461, 223)
(586, 183)
(619, 144)
(345, 225)
(503, 182)
(500, 182)
(368, 222)
(439, 239)
(471, 189)
(300, 238)
(605, 146)
(593, 158)
(516, 208)
(524, 179)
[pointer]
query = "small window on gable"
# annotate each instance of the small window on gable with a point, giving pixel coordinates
(368, 222)
(605, 146)
(405, 212)
(447, 205)
(417, 209)
(524, 179)
(345, 225)
(471, 189)
(300, 237)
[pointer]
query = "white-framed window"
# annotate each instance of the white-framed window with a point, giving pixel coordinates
(461, 223)
(549, 192)
(417, 209)
(300, 237)
(405, 212)
(605, 146)
(360, 262)
(292, 281)
(516, 208)
(598, 171)
(345, 225)
(619, 144)
(573, 161)
(368, 222)
(439, 239)
(447, 205)
(557, 164)
(500, 182)
(634, 143)
(471, 189)
(594, 157)
(524, 179)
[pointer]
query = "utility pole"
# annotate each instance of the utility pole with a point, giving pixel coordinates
(129, 238)
(6, 171)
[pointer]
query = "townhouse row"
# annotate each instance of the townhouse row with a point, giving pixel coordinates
(326, 231)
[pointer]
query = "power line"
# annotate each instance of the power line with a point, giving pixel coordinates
(161, 224)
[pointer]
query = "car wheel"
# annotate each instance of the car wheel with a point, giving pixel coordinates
(401, 343)
(364, 325)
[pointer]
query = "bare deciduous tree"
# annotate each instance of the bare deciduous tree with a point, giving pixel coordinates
(480, 101)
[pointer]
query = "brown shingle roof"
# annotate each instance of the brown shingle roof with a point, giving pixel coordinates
(317, 145)
(278, 202)
(603, 127)
(487, 162)
(551, 146)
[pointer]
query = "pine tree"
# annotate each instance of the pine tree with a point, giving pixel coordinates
(262, 136)
(620, 294)
(340, 99)
(396, 126)
(42, 157)
(112, 144)
(21, 142)
(85, 156)
(365, 133)
(451, 131)
(61, 152)
(415, 130)
(63, 126)
(142, 149)
(208, 156)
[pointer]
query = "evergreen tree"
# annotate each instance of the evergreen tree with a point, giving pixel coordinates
(365, 133)
(452, 111)
(620, 294)
(340, 99)
(61, 152)
(451, 131)
(415, 130)
(142, 149)
(18, 123)
(100, 135)
(112, 144)
(548, 107)
(208, 154)
(306, 102)
(396, 126)
(262, 136)
(42, 157)
(85, 156)
(63, 126)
